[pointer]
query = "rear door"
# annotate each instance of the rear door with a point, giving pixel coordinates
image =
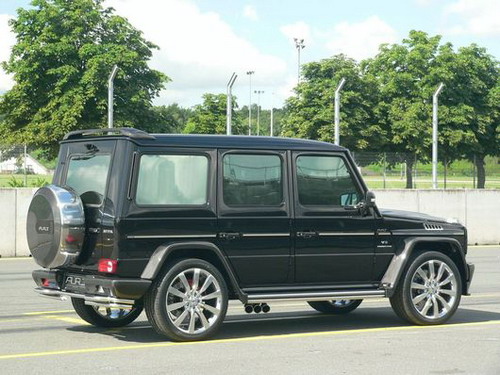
(334, 242)
(254, 215)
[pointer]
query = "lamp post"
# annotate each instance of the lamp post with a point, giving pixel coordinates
(271, 132)
(299, 45)
(110, 95)
(337, 111)
(435, 135)
(258, 92)
(229, 107)
(249, 73)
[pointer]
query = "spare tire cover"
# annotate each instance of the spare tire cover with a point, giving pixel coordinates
(55, 226)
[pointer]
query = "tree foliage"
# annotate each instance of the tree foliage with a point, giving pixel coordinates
(60, 63)
(210, 116)
(310, 114)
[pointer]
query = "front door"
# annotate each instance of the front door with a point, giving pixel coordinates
(253, 216)
(334, 241)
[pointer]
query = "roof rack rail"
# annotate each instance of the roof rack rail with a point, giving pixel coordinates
(128, 132)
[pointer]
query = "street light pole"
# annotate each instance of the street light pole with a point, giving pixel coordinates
(299, 45)
(435, 135)
(249, 73)
(272, 116)
(258, 92)
(229, 107)
(337, 111)
(110, 95)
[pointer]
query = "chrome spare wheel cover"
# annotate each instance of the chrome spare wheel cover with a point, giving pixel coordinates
(112, 313)
(433, 289)
(194, 301)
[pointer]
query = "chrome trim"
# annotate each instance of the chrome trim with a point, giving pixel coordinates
(105, 301)
(326, 234)
(384, 246)
(384, 233)
(315, 296)
(172, 236)
(265, 235)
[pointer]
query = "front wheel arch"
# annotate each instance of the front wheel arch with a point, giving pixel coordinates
(447, 246)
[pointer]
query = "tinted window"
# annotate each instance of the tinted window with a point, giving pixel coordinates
(172, 180)
(252, 180)
(325, 181)
(87, 175)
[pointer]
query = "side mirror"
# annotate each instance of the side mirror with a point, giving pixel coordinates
(370, 199)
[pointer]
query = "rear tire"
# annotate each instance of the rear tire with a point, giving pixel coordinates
(103, 317)
(188, 301)
(429, 291)
(337, 307)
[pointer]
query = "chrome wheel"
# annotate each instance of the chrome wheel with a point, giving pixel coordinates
(194, 301)
(433, 289)
(341, 302)
(112, 313)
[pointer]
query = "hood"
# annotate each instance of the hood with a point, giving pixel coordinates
(409, 215)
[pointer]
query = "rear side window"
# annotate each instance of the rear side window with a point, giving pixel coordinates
(87, 175)
(172, 180)
(254, 180)
(325, 181)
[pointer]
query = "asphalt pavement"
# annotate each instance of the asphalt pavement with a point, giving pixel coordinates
(40, 335)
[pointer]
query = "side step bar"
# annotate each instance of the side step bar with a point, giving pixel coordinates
(315, 296)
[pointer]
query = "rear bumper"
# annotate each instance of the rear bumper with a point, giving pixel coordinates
(97, 290)
(470, 273)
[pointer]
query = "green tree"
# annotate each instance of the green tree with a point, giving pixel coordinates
(310, 114)
(169, 119)
(404, 111)
(469, 105)
(60, 63)
(210, 116)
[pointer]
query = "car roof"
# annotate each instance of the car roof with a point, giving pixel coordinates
(202, 141)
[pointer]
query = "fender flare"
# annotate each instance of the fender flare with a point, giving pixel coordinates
(162, 252)
(398, 263)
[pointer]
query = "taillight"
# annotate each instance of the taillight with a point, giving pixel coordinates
(107, 265)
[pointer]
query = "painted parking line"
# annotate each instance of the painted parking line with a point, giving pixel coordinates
(48, 312)
(244, 339)
(66, 319)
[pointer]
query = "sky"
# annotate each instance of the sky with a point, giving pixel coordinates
(202, 42)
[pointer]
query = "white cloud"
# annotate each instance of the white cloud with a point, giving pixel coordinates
(299, 30)
(362, 39)
(478, 17)
(250, 12)
(8, 39)
(198, 50)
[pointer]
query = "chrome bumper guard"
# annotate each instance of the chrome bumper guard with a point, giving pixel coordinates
(104, 301)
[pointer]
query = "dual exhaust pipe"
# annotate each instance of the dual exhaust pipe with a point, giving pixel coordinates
(257, 308)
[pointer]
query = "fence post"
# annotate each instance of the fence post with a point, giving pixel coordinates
(384, 167)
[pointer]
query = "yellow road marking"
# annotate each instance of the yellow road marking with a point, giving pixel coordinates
(48, 312)
(243, 339)
(15, 258)
(66, 319)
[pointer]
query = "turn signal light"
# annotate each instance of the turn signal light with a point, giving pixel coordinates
(107, 265)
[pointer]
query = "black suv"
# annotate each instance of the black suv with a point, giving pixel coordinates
(181, 224)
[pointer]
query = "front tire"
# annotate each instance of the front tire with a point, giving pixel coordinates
(188, 301)
(105, 317)
(430, 290)
(337, 307)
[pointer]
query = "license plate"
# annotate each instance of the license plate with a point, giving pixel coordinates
(74, 283)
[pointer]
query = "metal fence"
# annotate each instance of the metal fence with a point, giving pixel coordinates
(400, 170)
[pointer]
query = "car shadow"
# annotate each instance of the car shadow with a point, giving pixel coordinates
(253, 325)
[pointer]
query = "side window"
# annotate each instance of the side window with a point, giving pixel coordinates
(252, 180)
(172, 180)
(325, 181)
(87, 175)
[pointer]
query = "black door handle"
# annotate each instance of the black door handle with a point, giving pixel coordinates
(229, 235)
(307, 234)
